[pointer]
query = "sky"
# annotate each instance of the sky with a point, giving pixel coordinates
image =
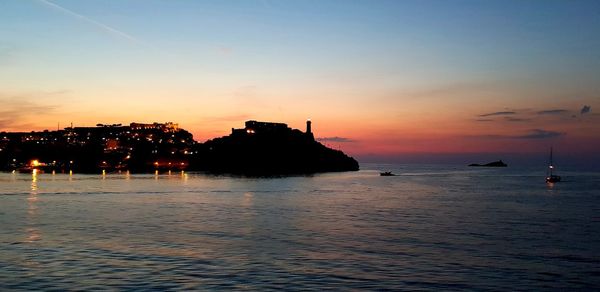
(380, 80)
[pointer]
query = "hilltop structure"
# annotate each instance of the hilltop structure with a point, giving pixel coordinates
(260, 148)
(253, 127)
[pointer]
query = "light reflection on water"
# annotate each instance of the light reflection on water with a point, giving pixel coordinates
(31, 230)
(434, 227)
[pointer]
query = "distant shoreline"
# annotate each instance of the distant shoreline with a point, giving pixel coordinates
(258, 149)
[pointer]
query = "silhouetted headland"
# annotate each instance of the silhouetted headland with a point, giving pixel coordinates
(270, 148)
(259, 149)
(498, 163)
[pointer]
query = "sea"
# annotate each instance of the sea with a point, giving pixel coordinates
(430, 227)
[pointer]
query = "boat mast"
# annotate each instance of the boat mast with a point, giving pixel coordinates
(551, 165)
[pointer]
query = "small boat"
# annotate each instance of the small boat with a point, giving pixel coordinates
(386, 173)
(550, 176)
(28, 169)
(25, 169)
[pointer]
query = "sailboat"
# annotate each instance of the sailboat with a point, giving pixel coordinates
(550, 176)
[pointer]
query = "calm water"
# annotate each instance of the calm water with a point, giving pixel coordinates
(430, 228)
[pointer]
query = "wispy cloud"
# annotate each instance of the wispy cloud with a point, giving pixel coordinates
(585, 109)
(484, 120)
(15, 112)
(553, 112)
(533, 134)
(504, 113)
(335, 139)
(108, 29)
(514, 119)
(540, 134)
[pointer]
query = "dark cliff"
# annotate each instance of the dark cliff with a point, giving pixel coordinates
(270, 153)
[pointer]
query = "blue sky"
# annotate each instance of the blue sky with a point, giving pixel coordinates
(361, 70)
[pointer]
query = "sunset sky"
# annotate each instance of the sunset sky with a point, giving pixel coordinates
(379, 79)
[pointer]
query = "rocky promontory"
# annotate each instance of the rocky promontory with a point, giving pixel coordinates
(270, 149)
(498, 163)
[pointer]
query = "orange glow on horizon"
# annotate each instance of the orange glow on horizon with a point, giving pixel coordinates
(389, 130)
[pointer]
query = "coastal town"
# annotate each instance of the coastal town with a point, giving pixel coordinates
(107, 147)
(157, 147)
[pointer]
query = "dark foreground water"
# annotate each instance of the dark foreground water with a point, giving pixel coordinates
(430, 228)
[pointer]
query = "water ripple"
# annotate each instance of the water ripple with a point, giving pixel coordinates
(427, 229)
